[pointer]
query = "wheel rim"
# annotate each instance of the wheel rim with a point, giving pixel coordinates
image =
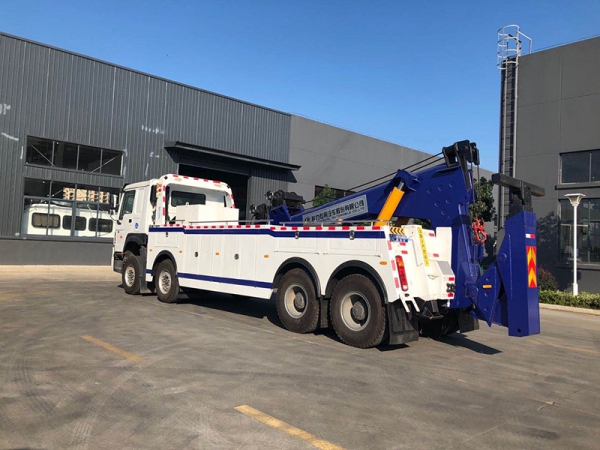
(355, 311)
(164, 282)
(295, 300)
(129, 276)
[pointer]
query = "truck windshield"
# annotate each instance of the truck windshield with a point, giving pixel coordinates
(187, 198)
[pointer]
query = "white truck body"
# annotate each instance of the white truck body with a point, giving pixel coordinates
(211, 250)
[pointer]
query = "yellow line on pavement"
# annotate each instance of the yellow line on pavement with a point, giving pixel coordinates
(287, 428)
(567, 347)
(112, 348)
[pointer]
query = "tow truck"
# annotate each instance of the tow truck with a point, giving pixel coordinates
(358, 264)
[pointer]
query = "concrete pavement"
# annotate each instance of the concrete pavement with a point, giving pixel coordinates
(171, 376)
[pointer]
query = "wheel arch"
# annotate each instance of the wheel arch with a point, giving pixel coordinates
(293, 263)
(165, 254)
(134, 242)
(356, 267)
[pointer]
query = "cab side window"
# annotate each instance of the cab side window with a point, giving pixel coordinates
(127, 203)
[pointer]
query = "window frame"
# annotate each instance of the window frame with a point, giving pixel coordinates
(584, 229)
(48, 216)
(77, 168)
(122, 212)
(101, 207)
(589, 180)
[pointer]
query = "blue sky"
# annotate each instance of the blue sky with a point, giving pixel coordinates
(418, 73)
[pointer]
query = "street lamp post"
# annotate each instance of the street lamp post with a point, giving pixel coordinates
(575, 199)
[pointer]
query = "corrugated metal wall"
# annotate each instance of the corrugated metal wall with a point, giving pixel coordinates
(54, 94)
(263, 180)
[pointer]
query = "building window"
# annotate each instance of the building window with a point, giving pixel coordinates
(53, 208)
(580, 167)
(64, 155)
(588, 231)
(337, 193)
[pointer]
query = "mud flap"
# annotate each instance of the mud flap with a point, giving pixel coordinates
(143, 262)
(324, 313)
(402, 325)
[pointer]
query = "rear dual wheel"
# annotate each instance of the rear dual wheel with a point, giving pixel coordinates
(357, 312)
(297, 303)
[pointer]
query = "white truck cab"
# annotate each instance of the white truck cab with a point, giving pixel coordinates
(168, 200)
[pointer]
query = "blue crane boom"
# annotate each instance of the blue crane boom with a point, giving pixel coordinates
(506, 293)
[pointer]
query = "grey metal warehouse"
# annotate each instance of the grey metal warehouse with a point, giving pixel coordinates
(74, 130)
(549, 123)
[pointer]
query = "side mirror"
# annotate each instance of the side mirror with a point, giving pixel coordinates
(114, 201)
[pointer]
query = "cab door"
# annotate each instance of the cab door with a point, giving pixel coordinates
(129, 217)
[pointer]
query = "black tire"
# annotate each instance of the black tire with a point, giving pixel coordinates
(130, 274)
(357, 312)
(166, 282)
(435, 329)
(297, 304)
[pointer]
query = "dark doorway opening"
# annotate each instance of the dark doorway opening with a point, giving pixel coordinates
(237, 182)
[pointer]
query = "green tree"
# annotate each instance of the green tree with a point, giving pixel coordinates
(325, 196)
(484, 206)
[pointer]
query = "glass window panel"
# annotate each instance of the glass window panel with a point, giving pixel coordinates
(39, 151)
(37, 188)
(31, 207)
(594, 208)
(88, 211)
(127, 202)
(43, 220)
(80, 223)
(596, 165)
(187, 198)
(111, 162)
(566, 211)
(103, 227)
(575, 167)
(566, 242)
(105, 214)
(594, 242)
(62, 191)
(583, 232)
(105, 195)
(87, 193)
(89, 159)
(65, 155)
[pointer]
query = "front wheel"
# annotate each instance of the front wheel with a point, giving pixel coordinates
(166, 282)
(357, 312)
(130, 274)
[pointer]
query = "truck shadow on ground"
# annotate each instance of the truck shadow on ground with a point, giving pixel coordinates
(463, 341)
(236, 304)
(245, 306)
(265, 308)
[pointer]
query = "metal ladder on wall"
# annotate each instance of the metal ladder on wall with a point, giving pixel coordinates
(510, 48)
